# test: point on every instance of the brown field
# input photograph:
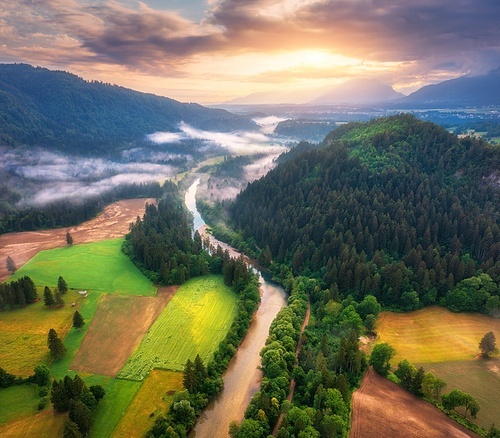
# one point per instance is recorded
(154, 396)
(111, 223)
(117, 327)
(382, 409)
(47, 423)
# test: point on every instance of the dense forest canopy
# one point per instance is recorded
(395, 207)
(58, 109)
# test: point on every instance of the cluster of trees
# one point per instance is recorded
(396, 207)
(278, 361)
(68, 212)
(54, 298)
(73, 396)
(17, 293)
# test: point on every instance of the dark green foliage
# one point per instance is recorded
(71, 429)
(17, 293)
(458, 398)
(7, 379)
(97, 391)
(56, 347)
(493, 432)
(58, 299)
(48, 297)
(62, 286)
(58, 109)
(396, 208)
(380, 358)
(81, 415)
(487, 345)
(78, 321)
(69, 239)
(42, 375)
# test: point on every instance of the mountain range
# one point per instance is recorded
(58, 109)
(464, 91)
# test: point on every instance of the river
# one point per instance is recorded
(242, 378)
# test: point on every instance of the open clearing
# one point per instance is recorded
(195, 321)
(99, 266)
(478, 377)
(434, 334)
(23, 333)
(113, 222)
(382, 409)
(18, 401)
(154, 396)
(116, 329)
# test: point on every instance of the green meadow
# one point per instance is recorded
(100, 266)
(195, 321)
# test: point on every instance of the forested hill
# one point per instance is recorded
(395, 207)
(58, 109)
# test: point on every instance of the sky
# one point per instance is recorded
(211, 51)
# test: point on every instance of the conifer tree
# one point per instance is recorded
(11, 266)
(48, 298)
(78, 321)
(56, 347)
(62, 286)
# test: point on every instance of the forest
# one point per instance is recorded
(396, 207)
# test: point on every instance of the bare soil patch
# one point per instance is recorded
(113, 222)
(382, 409)
(117, 327)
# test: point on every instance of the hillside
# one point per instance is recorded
(464, 91)
(394, 207)
(60, 110)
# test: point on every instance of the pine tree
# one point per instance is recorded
(81, 415)
(11, 266)
(58, 300)
(48, 298)
(71, 429)
(487, 344)
(62, 286)
(56, 347)
(189, 379)
(78, 321)
(69, 239)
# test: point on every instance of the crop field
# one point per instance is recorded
(478, 377)
(196, 319)
(23, 333)
(100, 266)
(154, 397)
(116, 329)
(434, 334)
(44, 424)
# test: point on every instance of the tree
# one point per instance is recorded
(69, 239)
(432, 386)
(48, 298)
(189, 380)
(71, 429)
(58, 299)
(487, 345)
(78, 321)
(11, 266)
(81, 415)
(98, 392)
(62, 286)
(42, 375)
(380, 357)
(56, 347)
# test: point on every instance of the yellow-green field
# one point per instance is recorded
(154, 396)
(446, 344)
(434, 334)
(196, 319)
(23, 333)
(100, 266)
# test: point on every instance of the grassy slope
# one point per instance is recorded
(194, 322)
(99, 266)
(17, 401)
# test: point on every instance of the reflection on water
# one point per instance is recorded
(242, 378)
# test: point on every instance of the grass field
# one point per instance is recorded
(478, 377)
(100, 266)
(23, 333)
(195, 321)
(154, 396)
(119, 394)
(18, 401)
(434, 334)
